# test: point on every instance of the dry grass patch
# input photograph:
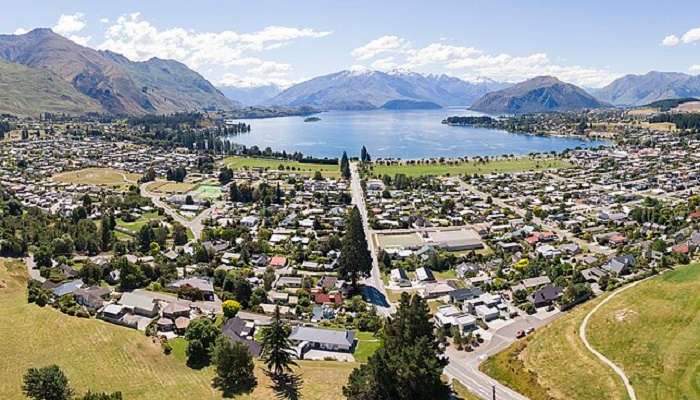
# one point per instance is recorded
(104, 357)
(97, 176)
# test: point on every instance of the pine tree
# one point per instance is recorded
(364, 155)
(276, 347)
(409, 365)
(355, 259)
(234, 367)
(105, 233)
(345, 166)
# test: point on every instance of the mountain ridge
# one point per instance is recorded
(642, 89)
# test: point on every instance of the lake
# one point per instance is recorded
(407, 134)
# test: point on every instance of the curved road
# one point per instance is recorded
(196, 225)
(601, 357)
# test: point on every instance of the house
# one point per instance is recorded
(174, 310)
(434, 290)
(139, 304)
(288, 281)
(278, 262)
(486, 313)
(324, 298)
(305, 338)
(531, 283)
(238, 330)
(204, 285)
(593, 274)
(448, 316)
(620, 265)
(67, 288)
(93, 297)
(424, 274)
(462, 294)
(546, 295)
(113, 313)
(399, 277)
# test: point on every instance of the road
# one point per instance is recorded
(582, 334)
(196, 225)
(32, 269)
(374, 286)
(464, 366)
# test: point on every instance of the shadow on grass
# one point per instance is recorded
(286, 386)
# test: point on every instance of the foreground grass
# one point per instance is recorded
(104, 357)
(470, 167)
(98, 176)
(554, 364)
(238, 162)
(651, 331)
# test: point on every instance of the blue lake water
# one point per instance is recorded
(400, 134)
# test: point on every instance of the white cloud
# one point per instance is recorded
(104, 20)
(670, 41)
(231, 79)
(693, 35)
(219, 55)
(69, 25)
(384, 44)
(472, 63)
(695, 69)
(20, 31)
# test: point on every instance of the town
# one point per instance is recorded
(161, 239)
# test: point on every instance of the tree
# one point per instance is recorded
(201, 335)
(131, 276)
(276, 349)
(345, 166)
(355, 259)
(179, 235)
(234, 367)
(409, 365)
(106, 233)
(47, 383)
(364, 155)
(231, 308)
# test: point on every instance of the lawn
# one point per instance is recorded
(366, 346)
(170, 187)
(136, 225)
(206, 192)
(238, 162)
(656, 327)
(98, 176)
(552, 363)
(470, 167)
(104, 357)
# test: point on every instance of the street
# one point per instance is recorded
(196, 225)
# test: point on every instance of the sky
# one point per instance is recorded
(252, 43)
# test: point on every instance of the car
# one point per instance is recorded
(529, 330)
(520, 334)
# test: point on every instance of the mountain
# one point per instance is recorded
(119, 85)
(367, 89)
(540, 94)
(27, 92)
(637, 90)
(250, 95)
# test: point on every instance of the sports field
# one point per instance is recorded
(103, 357)
(470, 167)
(206, 192)
(170, 187)
(238, 162)
(98, 176)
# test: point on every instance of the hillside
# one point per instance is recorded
(637, 90)
(366, 89)
(28, 92)
(119, 85)
(540, 94)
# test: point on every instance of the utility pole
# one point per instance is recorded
(493, 392)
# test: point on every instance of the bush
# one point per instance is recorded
(167, 348)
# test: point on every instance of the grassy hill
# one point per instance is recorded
(28, 92)
(103, 357)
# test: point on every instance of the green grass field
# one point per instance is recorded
(366, 346)
(103, 357)
(651, 331)
(136, 225)
(237, 162)
(553, 363)
(206, 192)
(98, 176)
(469, 168)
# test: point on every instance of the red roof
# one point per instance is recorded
(694, 215)
(278, 261)
(324, 298)
(618, 238)
(532, 239)
(681, 248)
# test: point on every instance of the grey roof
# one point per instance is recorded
(327, 336)
(202, 284)
(134, 300)
(67, 287)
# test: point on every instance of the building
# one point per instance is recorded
(306, 338)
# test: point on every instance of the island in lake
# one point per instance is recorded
(312, 119)
(405, 104)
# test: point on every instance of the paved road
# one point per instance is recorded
(374, 286)
(601, 357)
(196, 225)
(464, 366)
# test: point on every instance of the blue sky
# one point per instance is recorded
(256, 42)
